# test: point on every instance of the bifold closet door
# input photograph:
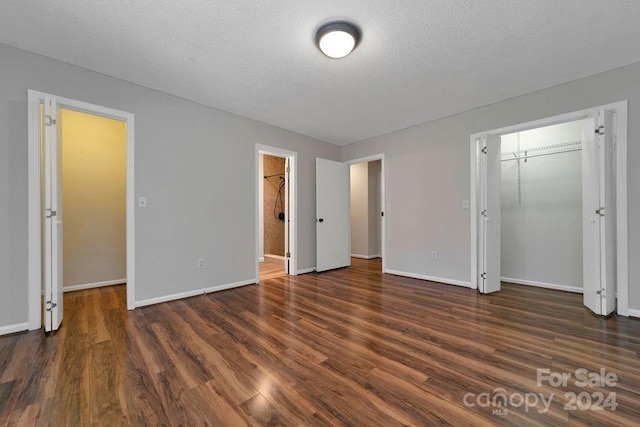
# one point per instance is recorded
(489, 224)
(53, 274)
(598, 214)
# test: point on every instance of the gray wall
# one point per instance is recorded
(427, 173)
(192, 163)
(541, 236)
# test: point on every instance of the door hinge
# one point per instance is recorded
(288, 169)
(602, 293)
(483, 212)
(600, 211)
(600, 130)
(49, 213)
(288, 255)
(50, 305)
(484, 150)
(484, 276)
(48, 120)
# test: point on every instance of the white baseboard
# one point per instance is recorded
(306, 270)
(366, 256)
(634, 313)
(261, 259)
(194, 293)
(430, 278)
(93, 285)
(565, 288)
(274, 256)
(230, 286)
(17, 327)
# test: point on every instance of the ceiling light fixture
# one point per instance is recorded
(337, 39)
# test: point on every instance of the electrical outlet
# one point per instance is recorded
(142, 202)
(201, 263)
(434, 255)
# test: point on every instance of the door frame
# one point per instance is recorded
(292, 201)
(35, 98)
(383, 203)
(620, 108)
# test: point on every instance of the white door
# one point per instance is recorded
(598, 214)
(333, 242)
(287, 213)
(489, 226)
(608, 270)
(53, 288)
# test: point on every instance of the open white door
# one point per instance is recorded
(53, 288)
(489, 226)
(598, 214)
(287, 213)
(333, 241)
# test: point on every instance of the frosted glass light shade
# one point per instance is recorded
(337, 39)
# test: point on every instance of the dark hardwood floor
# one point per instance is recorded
(271, 268)
(347, 347)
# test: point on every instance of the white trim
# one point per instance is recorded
(366, 256)
(633, 313)
(306, 270)
(34, 209)
(188, 294)
(279, 257)
(622, 247)
(167, 298)
(73, 288)
(293, 202)
(34, 255)
(574, 289)
(230, 286)
(430, 278)
(622, 236)
(16, 327)
(261, 259)
(383, 200)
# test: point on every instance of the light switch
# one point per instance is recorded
(142, 202)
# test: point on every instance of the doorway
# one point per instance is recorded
(275, 212)
(274, 192)
(94, 200)
(368, 205)
(366, 209)
(46, 197)
(603, 209)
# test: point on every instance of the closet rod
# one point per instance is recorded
(538, 155)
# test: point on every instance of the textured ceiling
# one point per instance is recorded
(417, 61)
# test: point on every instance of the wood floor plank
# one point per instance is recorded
(345, 347)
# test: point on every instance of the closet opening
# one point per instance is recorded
(81, 210)
(548, 206)
(541, 207)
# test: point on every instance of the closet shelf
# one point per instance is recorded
(541, 151)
